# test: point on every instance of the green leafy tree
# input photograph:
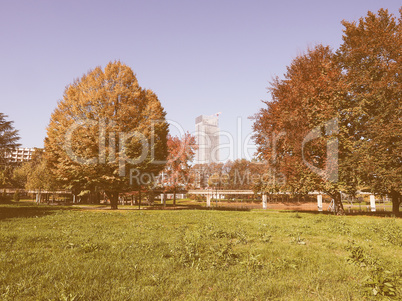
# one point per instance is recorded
(35, 174)
(8, 138)
(104, 130)
(8, 142)
(371, 60)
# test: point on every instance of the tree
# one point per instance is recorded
(203, 172)
(8, 142)
(295, 132)
(107, 132)
(240, 174)
(181, 153)
(348, 102)
(34, 174)
(8, 138)
(371, 60)
(244, 174)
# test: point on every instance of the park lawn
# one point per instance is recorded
(59, 253)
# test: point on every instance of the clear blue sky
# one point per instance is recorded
(199, 57)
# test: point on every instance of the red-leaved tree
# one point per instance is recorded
(181, 152)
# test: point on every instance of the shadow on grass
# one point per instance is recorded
(196, 207)
(18, 210)
(357, 213)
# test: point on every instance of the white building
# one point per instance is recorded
(207, 138)
(20, 154)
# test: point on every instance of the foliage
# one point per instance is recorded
(8, 138)
(334, 122)
(240, 174)
(105, 127)
(203, 172)
(35, 174)
(177, 170)
(370, 58)
(382, 283)
(390, 232)
(8, 142)
(379, 281)
(304, 103)
(6, 175)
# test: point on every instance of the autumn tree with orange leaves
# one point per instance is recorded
(181, 152)
(105, 127)
(305, 102)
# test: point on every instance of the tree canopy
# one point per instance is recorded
(181, 152)
(8, 142)
(371, 60)
(8, 138)
(105, 127)
(334, 122)
(34, 174)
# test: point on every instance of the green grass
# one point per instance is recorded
(59, 253)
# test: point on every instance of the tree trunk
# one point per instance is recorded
(139, 198)
(97, 198)
(174, 196)
(114, 198)
(396, 201)
(338, 204)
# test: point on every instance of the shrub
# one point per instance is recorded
(383, 283)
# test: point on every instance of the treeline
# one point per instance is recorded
(240, 174)
(334, 125)
(335, 120)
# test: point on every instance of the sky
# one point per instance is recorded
(199, 57)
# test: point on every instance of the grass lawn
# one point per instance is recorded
(64, 253)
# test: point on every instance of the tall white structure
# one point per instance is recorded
(207, 138)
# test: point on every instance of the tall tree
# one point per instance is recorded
(356, 95)
(8, 142)
(181, 154)
(296, 130)
(8, 138)
(107, 132)
(371, 59)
